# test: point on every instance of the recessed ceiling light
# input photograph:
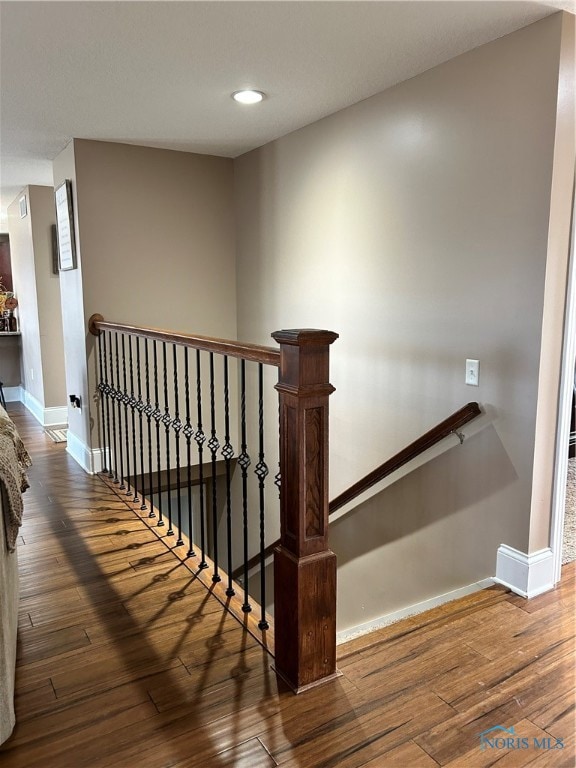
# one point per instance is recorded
(248, 96)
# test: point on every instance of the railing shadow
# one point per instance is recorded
(442, 487)
(88, 570)
(432, 531)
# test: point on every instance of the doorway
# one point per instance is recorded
(565, 411)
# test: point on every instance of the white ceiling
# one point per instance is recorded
(161, 73)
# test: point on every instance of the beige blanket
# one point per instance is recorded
(14, 460)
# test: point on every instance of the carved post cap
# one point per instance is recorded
(301, 336)
(95, 318)
(304, 360)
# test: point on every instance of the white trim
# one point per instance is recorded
(390, 618)
(564, 412)
(12, 394)
(56, 416)
(47, 417)
(89, 459)
(526, 575)
(34, 406)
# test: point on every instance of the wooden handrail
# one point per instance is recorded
(433, 436)
(254, 352)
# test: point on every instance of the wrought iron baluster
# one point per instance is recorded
(177, 427)
(149, 410)
(157, 415)
(102, 390)
(108, 391)
(278, 475)
(213, 445)
(140, 409)
(166, 420)
(132, 403)
(118, 405)
(200, 439)
(126, 400)
(261, 472)
(228, 453)
(188, 433)
(244, 461)
(113, 409)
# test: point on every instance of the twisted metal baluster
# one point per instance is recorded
(261, 471)
(228, 453)
(100, 388)
(118, 401)
(188, 433)
(108, 395)
(278, 475)
(213, 445)
(140, 409)
(244, 461)
(166, 420)
(149, 410)
(177, 427)
(126, 400)
(157, 414)
(132, 403)
(200, 439)
(113, 409)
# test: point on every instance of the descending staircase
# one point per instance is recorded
(178, 412)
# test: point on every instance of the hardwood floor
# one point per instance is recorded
(125, 660)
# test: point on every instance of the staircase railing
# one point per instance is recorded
(163, 428)
(449, 426)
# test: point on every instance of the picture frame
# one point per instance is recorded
(65, 226)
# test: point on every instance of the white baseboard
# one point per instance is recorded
(526, 575)
(34, 406)
(56, 416)
(13, 394)
(390, 618)
(89, 459)
(47, 417)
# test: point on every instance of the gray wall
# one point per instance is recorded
(38, 292)
(155, 231)
(415, 225)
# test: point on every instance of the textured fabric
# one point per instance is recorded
(14, 460)
(9, 598)
(569, 539)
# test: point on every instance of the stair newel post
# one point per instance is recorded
(304, 566)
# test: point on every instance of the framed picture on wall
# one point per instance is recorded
(65, 225)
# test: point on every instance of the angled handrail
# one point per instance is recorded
(435, 435)
(430, 438)
(254, 352)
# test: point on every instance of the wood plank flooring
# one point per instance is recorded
(126, 661)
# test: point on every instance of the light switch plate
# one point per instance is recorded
(473, 372)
